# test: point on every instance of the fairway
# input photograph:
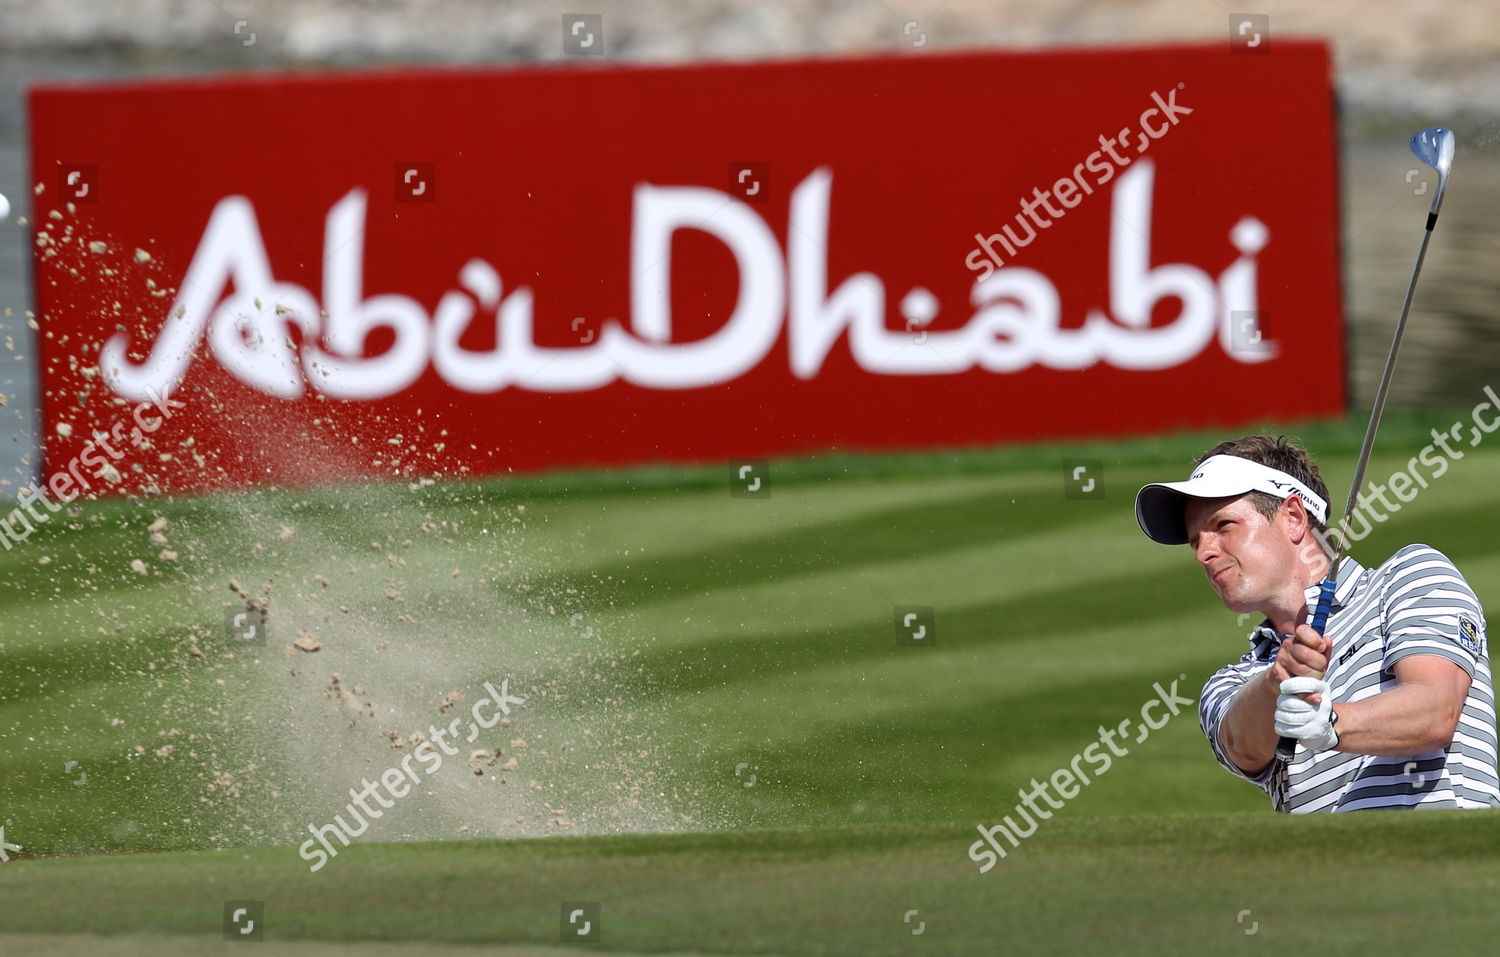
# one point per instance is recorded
(722, 737)
(1177, 884)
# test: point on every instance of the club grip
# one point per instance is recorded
(1286, 747)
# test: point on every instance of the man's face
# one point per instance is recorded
(1247, 558)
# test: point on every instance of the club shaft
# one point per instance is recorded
(1287, 747)
(1380, 396)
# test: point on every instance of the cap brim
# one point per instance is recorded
(1161, 507)
(1160, 511)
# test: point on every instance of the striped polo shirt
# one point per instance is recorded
(1417, 603)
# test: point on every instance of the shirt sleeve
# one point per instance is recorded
(1213, 704)
(1429, 609)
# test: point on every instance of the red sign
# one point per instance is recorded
(474, 272)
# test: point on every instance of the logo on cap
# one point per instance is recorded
(1295, 491)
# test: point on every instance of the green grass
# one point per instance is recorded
(1167, 883)
(671, 641)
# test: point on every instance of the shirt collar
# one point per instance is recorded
(1351, 577)
(1350, 573)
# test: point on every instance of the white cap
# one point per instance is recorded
(1159, 507)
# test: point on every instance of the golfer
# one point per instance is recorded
(1392, 707)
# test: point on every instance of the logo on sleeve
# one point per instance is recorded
(1468, 636)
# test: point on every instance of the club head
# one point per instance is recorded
(1434, 146)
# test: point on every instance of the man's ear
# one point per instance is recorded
(1297, 521)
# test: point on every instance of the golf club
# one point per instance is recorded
(1433, 146)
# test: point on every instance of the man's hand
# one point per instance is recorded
(1248, 738)
(1305, 654)
(1297, 717)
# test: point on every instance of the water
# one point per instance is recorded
(1453, 337)
(1452, 341)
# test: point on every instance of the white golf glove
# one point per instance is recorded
(1295, 718)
